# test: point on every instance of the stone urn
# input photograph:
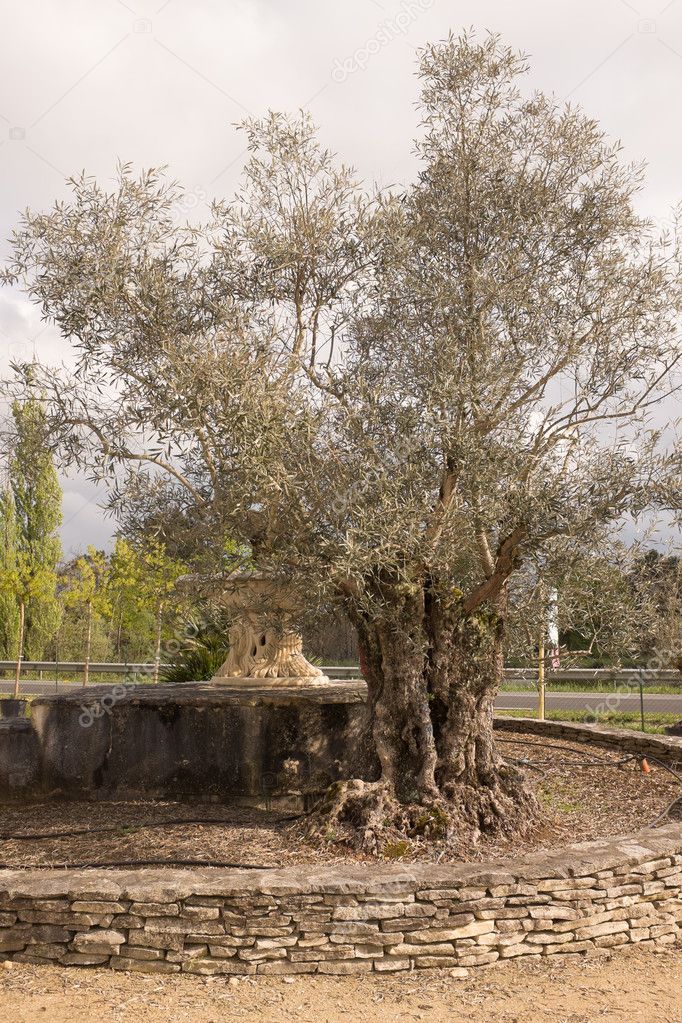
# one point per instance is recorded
(264, 650)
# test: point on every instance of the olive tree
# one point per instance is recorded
(399, 402)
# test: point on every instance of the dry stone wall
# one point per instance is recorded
(666, 748)
(349, 920)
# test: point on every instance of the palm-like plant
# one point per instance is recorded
(202, 653)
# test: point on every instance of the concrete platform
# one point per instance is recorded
(192, 741)
(333, 691)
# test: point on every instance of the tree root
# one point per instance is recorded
(367, 816)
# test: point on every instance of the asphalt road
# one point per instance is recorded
(666, 703)
(653, 702)
(32, 687)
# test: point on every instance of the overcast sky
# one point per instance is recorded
(88, 82)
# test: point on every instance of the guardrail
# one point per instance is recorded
(632, 696)
(632, 676)
(78, 667)
(118, 668)
(617, 676)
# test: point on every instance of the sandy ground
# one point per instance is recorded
(630, 986)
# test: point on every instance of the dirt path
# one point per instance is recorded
(630, 986)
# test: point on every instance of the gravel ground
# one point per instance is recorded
(631, 986)
(583, 795)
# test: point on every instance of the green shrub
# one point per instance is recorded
(201, 657)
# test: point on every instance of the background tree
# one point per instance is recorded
(657, 578)
(9, 611)
(31, 511)
(25, 585)
(87, 591)
(37, 504)
(604, 607)
(132, 620)
(158, 575)
(143, 594)
(398, 403)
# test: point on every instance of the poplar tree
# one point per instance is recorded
(9, 610)
(37, 498)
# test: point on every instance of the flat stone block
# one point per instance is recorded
(345, 968)
(143, 965)
(391, 965)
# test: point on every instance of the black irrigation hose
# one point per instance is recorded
(587, 763)
(526, 763)
(678, 777)
(600, 762)
(530, 742)
(666, 812)
(138, 863)
(666, 767)
(614, 763)
(544, 745)
(539, 765)
(593, 763)
(173, 822)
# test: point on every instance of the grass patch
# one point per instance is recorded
(654, 722)
(558, 798)
(601, 686)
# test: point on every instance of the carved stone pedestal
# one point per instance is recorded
(262, 656)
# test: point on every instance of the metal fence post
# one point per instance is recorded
(541, 680)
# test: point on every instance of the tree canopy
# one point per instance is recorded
(400, 401)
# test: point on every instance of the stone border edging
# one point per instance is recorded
(667, 748)
(348, 920)
(360, 919)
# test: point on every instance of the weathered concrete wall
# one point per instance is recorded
(347, 920)
(201, 743)
(187, 742)
(19, 758)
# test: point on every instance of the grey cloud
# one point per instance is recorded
(85, 522)
(159, 82)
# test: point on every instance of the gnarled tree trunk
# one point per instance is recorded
(433, 670)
